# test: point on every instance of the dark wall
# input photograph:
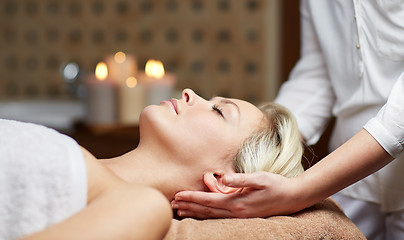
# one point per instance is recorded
(290, 36)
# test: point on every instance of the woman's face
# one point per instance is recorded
(206, 134)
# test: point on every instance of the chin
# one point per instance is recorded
(154, 124)
(150, 118)
(144, 114)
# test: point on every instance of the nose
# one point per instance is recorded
(189, 96)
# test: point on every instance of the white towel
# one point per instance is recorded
(42, 178)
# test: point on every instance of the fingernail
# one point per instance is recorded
(174, 205)
(181, 213)
(178, 198)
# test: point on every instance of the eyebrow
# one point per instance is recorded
(227, 101)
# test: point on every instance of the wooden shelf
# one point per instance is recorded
(106, 141)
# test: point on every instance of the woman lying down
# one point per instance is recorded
(50, 188)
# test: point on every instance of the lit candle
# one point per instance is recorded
(159, 84)
(132, 100)
(101, 97)
(121, 66)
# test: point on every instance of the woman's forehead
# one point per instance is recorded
(246, 106)
(250, 114)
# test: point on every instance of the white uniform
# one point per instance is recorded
(352, 55)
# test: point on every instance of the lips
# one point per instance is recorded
(175, 105)
(172, 104)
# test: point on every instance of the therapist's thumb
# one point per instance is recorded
(252, 180)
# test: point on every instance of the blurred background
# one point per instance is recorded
(234, 48)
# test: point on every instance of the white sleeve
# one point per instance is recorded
(308, 93)
(388, 125)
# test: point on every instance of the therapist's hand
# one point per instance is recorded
(264, 194)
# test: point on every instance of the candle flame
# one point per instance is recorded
(131, 82)
(120, 57)
(154, 68)
(101, 71)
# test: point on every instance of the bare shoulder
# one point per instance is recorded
(132, 211)
(139, 211)
(115, 210)
(124, 211)
(143, 212)
(99, 179)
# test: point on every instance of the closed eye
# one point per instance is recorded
(218, 110)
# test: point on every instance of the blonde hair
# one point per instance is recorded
(276, 148)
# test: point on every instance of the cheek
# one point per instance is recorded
(206, 128)
(194, 137)
(208, 136)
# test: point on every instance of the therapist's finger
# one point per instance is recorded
(194, 210)
(208, 199)
(257, 180)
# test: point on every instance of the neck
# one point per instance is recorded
(153, 168)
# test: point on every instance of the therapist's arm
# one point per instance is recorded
(359, 157)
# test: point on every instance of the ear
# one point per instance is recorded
(215, 184)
